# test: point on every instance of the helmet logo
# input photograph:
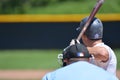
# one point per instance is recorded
(96, 36)
(80, 54)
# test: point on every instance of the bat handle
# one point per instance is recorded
(83, 30)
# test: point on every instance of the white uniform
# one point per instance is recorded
(109, 65)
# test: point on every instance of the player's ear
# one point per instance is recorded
(65, 62)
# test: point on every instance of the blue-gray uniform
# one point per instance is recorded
(80, 70)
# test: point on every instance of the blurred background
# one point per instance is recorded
(34, 32)
(55, 6)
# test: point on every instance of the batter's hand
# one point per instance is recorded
(74, 41)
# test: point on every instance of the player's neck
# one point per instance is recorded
(94, 42)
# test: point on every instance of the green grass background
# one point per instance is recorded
(28, 59)
(34, 59)
(76, 7)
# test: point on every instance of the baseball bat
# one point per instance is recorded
(92, 14)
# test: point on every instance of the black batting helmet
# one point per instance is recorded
(75, 51)
(94, 30)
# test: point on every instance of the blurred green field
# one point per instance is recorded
(34, 59)
(56, 6)
(76, 7)
(28, 59)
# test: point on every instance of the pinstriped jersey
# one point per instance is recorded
(109, 65)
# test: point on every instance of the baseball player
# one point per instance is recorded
(77, 67)
(103, 55)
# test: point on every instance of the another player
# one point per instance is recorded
(77, 67)
(103, 55)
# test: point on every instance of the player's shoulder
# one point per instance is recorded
(46, 76)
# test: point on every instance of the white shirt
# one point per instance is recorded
(109, 65)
